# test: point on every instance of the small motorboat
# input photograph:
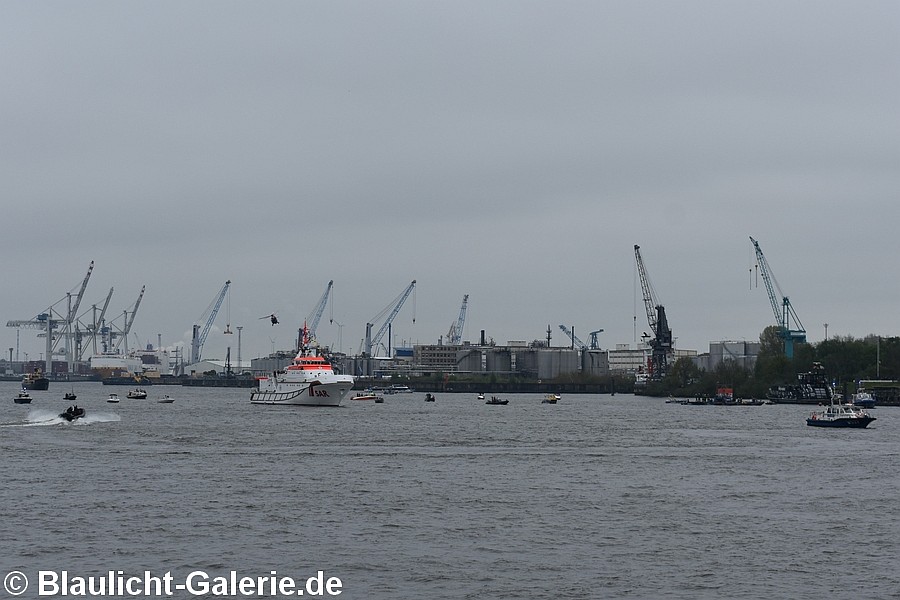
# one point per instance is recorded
(367, 396)
(72, 413)
(379, 400)
(23, 398)
(840, 415)
(167, 399)
(496, 400)
(551, 399)
(481, 396)
(137, 394)
(69, 396)
(863, 400)
(429, 397)
(113, 398)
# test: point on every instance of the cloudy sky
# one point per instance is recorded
(514, 151)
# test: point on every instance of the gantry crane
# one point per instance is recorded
(199, 337)
(312, 320)
(373, 341)
(661, 345)
(96, 326)
(595, 345)
(52, 319)
(454, 336)
(784, 312)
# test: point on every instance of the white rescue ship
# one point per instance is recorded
(309, 380)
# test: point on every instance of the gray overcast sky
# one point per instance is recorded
(513, 151)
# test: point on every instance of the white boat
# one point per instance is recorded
(863, 399)
(398, 389)
(167, 399)
(113, 398)
(308, 381)
(137, 394)
(840, 415)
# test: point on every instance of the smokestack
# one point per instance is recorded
(482, 337)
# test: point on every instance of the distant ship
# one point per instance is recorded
(309, 380)
(35, 381)
(811, 388)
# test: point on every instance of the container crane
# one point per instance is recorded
(783, 310)
(454, 336)
(94, 328)
(52, 319)
(199, 337)
(661, 346)
(575, 341)
(312, 321)
(373, 341)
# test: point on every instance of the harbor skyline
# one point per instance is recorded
(514, 153)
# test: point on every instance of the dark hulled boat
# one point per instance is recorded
(811, 388)
(35, 381)
(840, 415)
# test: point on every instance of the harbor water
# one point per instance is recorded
(594, 497)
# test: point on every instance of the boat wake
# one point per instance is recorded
(40, 417)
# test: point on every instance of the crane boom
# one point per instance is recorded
(661, 345)
(454, 337)
(122, 335)
(783, 310)
(578, 343)
(74, 310)
(130, 322)
(649, 295)
(372, 341)
(316, 315)
(199, 337)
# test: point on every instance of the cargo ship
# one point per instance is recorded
(35, 381)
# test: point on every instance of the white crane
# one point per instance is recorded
(373, 341)
(454, 336)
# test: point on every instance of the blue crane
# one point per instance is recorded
(373, 341)
(454, 337)
(312, 321)
(784, 312)
(199, 337)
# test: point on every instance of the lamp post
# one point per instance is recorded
(240, 364)
(826, 332)
(340, 336)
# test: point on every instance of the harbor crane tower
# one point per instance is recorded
(454, 336)
(198, 337)
(373, 341)
(784, 311)
(312, 321)
(662, 347)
